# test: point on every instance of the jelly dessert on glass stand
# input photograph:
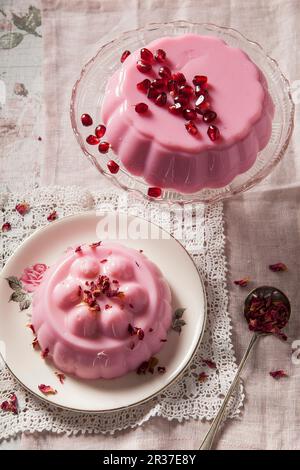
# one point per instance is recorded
(182, 112)
(187, 113)
(101, 310)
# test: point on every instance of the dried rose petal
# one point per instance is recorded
(163, 340)
(242, 282)
(103, 261)
(47, 389)
(161, 369)
(11, 404)
(61, 377)
(6, 227)
(142, 369)
(22, 208)
(267, 314)
(45, 353)
(95, 245)
(35, 343)
(78, 249)
(278, 374)
(202, 377)
(209, 363)
(52, 216)
(140, 333)
(153, 361)
(30, 325)
(278, 267)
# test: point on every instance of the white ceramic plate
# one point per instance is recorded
(45, 246)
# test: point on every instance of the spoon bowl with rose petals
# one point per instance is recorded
(267, 311)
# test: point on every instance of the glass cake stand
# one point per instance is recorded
(88, 91)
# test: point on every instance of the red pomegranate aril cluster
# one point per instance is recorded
(141, 108)
(144, 85)
(113, 167)
(146, 55)
(181, 92)
(160, 55)
(191, 128)
(143, 66)
(86, 120)
(124, 56)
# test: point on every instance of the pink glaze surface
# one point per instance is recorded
(93, 344)
(156, 145)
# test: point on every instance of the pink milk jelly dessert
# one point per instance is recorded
(101, 310)
(186, 150)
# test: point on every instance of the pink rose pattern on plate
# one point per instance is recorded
(32, 276)
(26, 284)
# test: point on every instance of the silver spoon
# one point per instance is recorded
(263, 291)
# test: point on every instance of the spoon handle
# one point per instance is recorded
(208, 440)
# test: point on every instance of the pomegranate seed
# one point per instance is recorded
(146, 55)
(152, 93)
(209, 116)
(172, 87)
(191, 128)
(22, 208)
(124, 56)
(176, 108)
(92, 140)
(141, 108)
(186, 90)
(6, 227)
(179, 78)
(86, 120)
(144, 85)
(189, 114)
(202, 107)
(182, 99)
(160, 55)
(161, 99)
(154, 192)
(200, 100)
(113, 167)
(199, 80)
(158, 83)
(103, 147)
(213, 132)
(164, 72)
(143, 67)
(100, 131)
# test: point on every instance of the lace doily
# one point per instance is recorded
(188, 398)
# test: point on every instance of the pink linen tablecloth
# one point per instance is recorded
(262, 226)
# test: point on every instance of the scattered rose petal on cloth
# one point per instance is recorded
(278, 374)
